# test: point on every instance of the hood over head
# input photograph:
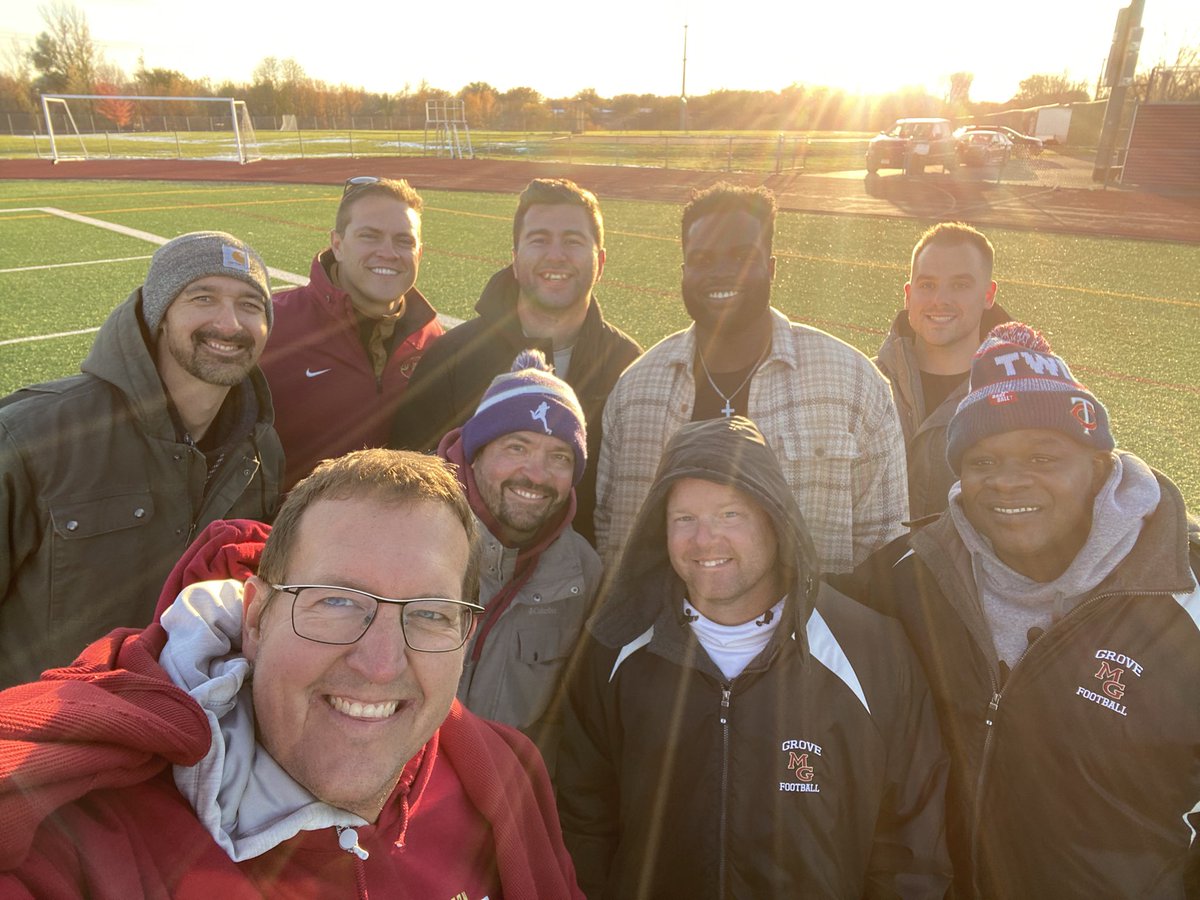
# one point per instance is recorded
(724, 451)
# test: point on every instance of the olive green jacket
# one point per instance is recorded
(99, 496)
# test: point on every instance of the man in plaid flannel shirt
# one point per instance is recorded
(826, 411)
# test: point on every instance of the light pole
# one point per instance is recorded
(1118, 74)
(683, 123)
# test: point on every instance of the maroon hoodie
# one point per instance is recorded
(327, 399)
(88, 806)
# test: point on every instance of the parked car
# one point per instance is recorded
(1024, 145)
(984, 148)
(911, 145)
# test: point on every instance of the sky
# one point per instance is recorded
(626, 46)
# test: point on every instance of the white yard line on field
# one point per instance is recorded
(46, 337)
(87, 262)
(279, 274)
(290, 278)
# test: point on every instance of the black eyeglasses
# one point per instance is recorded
(359, 181)
(328, 614)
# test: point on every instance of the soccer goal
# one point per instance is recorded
(85, 126)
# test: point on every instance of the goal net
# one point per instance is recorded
(126, 126)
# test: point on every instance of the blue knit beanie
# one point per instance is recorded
(1017, 382)
(529, 398)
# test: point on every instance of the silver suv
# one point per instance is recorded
(913, 144)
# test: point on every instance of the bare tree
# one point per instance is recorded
(64, 54)
(958, 94)
(16, 78)
(1172, 81)
(267, 71)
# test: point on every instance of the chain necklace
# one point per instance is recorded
(727, 409)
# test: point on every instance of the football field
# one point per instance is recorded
(1124, 313)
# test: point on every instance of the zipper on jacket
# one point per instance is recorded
(722, 825)
(993, 710)
(251, 462)
(348, 841)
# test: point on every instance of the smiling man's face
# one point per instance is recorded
(213, 332)
(723, 547)
(727, 271)
(1030, 492)
(524, 479)
(557, 261)
(379, 254)
(343, 720)
(950, 290)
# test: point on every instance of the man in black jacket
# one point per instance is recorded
(1055, 609)
(736, 728)
(543, 301)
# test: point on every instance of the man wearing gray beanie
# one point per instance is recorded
(106, 476)
(1056, 611)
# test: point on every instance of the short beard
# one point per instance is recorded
(194, 360)
(529, 526)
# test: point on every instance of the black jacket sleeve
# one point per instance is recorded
(588, 774)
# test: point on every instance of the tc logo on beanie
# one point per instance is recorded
(1017, 382)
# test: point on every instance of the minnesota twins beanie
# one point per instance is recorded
(529, 398)
(179, 262)
(1017, 382)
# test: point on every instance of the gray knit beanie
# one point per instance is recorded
(179, 262)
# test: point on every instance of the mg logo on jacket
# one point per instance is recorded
(1110, 677)
(1114, 666)
(799, 765)
(801, 771)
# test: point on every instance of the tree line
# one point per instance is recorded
(65, 59)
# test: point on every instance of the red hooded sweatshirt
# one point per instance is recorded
(88, 805)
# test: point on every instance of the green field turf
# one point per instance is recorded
(1123, 313)
(742, 151)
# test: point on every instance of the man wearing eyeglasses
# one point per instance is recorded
(344, 766)
(345, 344)
(518, 459)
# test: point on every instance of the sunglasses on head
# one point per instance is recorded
(359, 181)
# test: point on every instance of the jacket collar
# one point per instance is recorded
(1157, 564)
(682, 353)
(123, 356)
(498, 306)
(418, 312)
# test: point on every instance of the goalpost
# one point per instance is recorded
(227, 134)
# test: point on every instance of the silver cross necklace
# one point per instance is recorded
(727, 409)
